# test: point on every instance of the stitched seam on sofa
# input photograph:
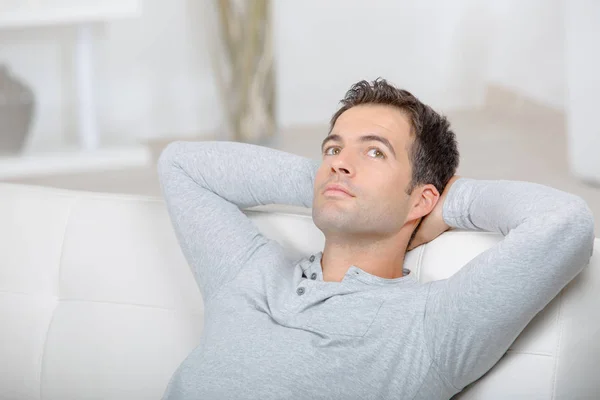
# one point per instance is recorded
(134, 305)
(60, 262)
(420, 262)
(85, 194)
(96, 301)
(124, 197)
(62, 247)
(530, 353)
(557, 350)
(43, 355)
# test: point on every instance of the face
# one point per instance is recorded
(375, 172)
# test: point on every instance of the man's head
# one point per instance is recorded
(393, 153)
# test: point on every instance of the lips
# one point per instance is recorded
(336, 188)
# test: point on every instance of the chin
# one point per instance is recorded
(331, 221)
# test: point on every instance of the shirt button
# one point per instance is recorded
(312, 258)
(313, 276)
(300, 291)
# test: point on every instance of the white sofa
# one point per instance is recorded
(97, 301)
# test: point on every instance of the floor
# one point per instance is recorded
(510, 139)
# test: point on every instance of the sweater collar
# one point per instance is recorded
(312, 265)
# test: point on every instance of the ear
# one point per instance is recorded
(424, 200)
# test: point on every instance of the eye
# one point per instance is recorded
(329, 148)
(377, 151)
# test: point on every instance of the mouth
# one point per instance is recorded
(337, 190)
(336, 193)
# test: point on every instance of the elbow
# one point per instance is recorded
(578, 228)
(583, 218)
(169, 153)
(168, 159)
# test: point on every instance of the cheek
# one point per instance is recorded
(387, 194)
(319, 179)
(384, 185)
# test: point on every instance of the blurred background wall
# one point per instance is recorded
(154, 77)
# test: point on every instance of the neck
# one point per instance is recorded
(383, 257)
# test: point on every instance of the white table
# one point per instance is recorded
(89, 154)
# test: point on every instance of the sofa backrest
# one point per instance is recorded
(97, 301)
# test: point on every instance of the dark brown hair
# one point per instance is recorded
(434, 153)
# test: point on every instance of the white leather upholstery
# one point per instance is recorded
(97, 301)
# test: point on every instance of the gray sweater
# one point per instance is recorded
(274, 329)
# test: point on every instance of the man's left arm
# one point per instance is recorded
(473, 317)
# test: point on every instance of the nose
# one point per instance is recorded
(342, 165)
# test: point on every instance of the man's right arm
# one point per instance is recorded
(473, 317)
(207, 184)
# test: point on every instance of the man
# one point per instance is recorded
(352, 321)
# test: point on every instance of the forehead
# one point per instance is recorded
(387, 121)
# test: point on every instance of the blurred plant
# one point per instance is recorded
(244, 68)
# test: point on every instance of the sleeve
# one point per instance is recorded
(205, 186)
(472, 318)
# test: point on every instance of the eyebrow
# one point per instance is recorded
(365, 138)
